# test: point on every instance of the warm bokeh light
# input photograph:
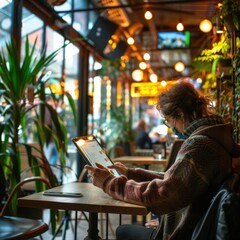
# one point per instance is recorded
(199, 80)
(146, 56)
(153, 78)
(137, 75)
(179, 66)
(163, 83)
(205, 26)
(142, 65)
(130, 41)
(180, 26)
(148, 15)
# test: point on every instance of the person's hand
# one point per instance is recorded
(121, 168)
(98, 174)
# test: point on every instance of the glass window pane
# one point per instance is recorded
(71, 84)
(31, 24)
(67, 6)
(5, 21)
(53, 42)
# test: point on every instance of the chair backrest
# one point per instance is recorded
(173, 153)
(222, 218)
(83, 175)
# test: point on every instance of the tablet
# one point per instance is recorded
(92, 152)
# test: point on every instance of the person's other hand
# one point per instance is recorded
(98, 174)
(121, 168)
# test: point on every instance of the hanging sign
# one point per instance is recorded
(148, 89)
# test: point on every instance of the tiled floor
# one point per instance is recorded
(82, 226)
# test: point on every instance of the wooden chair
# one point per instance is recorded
(19, 228)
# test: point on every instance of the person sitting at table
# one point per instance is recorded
(182, 194)
(142, 138)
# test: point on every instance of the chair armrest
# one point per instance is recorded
(18, 186)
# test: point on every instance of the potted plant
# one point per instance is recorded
(118, 131)
(23, 101)
(115, 124)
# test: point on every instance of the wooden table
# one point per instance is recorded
(141, 160)
(94, 201)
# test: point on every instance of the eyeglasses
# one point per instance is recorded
(166, 123)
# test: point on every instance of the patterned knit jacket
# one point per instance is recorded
(183, 193)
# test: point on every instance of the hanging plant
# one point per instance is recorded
(229, 11)
(220, 50)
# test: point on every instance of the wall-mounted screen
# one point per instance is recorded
(173, 39)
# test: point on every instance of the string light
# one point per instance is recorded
(153, 77)
(137, 75)
(130, 41)
(142, 65)
(180, 26)
(146, 56)
(148, 15)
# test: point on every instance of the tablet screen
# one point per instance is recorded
(93, 152)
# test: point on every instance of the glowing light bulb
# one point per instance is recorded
(130, 41)
(180, 26)
(179, 66)
(153, 78)
(205, 26)
(137, 75)
(146, 56)
(142, 65)
(148, 15)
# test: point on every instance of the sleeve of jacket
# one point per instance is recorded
(187, 179)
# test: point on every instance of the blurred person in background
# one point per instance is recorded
(142, 138)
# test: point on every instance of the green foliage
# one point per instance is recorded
(236, 113)
(24, 103)
(118, 129)
(219, 50)
(231, 8)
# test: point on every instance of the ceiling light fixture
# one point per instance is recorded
(180, 26)
(205, 26)
(148, 15)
